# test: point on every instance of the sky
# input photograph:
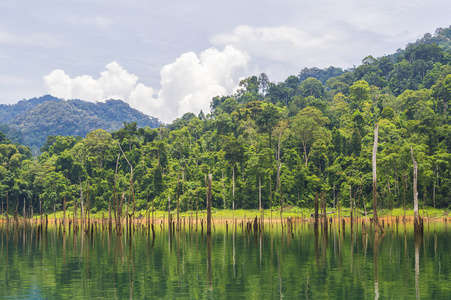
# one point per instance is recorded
(166, 58)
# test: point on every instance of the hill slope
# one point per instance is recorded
(38, 118)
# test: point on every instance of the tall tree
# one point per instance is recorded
(359, 94)
(263, 82)
(268, 119)
(375, 218)
(415, 190)
(97, 142)
(308, 126)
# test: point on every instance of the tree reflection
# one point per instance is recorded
(417, 265)
(377, 240)
(209, 267)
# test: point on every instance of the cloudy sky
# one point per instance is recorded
(166, 58)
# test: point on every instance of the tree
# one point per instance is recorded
(268, 119)
(359, 93)
(250, 84)
(229, 105)
(55, 186)
(441, 91)
(357, 132)
(97, 143)
(263, 81)
(375, 218)
(265, 168)
(49, 142)
(385, 65)
(2, 137)
(415, 191)
(308, 126)
(312, 87)
(387, 113)
(234, 154)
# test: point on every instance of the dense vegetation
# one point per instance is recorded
(29, 122)
(285, 141)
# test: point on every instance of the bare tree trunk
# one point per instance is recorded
(389, 192)
(119, 213)
(178, 202)
(333, 191)
(197, 206)
(316, 210)
(169, 215)
(88, 205)
(259, 193)
(415, 191)
(75, 216)
(233, 187)
(131, 191)
(7, 208)
(435, 184)
(223, 191)
(375, 218)
(278, 185)
(278, 176)
(270, 195)
(209, 204)
(433, 195)
(404, 177)
(152, 213)
(64, 214)
(339, 209)
(350, 200)
(323, 201)
(115, 198)
(40, 207)
(81, 203)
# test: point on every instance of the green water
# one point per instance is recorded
(229, 264)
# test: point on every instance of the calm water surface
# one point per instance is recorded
(232, 263)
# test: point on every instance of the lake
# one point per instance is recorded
(232, 262)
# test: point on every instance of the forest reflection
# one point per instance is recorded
(240, 258)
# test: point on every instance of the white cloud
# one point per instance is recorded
(114, 82)
(187, 85)
(290, 48)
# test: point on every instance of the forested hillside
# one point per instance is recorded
(31, 121)
(284, 141)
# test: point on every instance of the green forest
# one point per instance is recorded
(29, 122)
(268, 144)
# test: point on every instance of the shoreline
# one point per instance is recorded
(226, 219)
(293, 212)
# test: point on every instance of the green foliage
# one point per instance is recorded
(31, 121)
(289, 140)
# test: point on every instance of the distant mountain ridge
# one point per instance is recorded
(38, 118)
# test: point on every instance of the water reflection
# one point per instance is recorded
(267, 261)
(417, 265)
(377, 240)
(209, 266)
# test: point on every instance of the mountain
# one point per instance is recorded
(416, 66)
(38, 118)
(441, 37)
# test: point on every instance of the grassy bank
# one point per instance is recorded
(294, 212)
